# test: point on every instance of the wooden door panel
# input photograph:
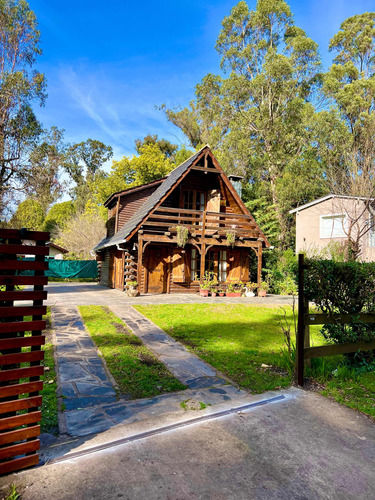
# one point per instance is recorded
(157, 269)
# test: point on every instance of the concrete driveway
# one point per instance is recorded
(302, 447)
(94, 294)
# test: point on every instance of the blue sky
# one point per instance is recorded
(109, 64)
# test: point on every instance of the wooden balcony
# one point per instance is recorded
(201, 225)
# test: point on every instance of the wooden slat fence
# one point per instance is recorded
(305, 319)
(20, 352)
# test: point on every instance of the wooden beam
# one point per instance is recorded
(206, 170)
(331, 350)
(341, 319)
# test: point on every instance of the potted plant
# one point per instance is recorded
(213, 288)
(263, 289)
(234, 289)
(221, 291)
(132, 289)
(250, 288)
(205, 285)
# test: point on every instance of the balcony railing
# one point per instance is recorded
(166, 219)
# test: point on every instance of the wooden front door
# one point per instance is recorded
(116, 269)
(157, 269)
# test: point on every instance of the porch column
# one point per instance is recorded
(259, 277)
(203, 258)
(203, 245)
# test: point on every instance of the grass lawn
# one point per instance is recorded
(138, 373)
(49, 422)
(234, 338)
(237, 339)
(49, 403)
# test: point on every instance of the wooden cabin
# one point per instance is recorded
(141, 242)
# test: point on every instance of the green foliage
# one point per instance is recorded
(280, 271)
(231, 238)
(166, 147)
(182, 236)
(258, 118)
(182, 155)
(42, 177)
(29, 214)
(84, 163)
(264, 213)
(58, 216)
(344, 287)
(20, 85)
(150, 165)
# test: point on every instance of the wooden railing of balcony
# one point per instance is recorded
(198, 222)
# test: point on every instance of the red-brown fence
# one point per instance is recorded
(20, 353)
(305, 318)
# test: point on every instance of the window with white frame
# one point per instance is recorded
(332, 226)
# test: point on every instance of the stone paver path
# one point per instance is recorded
(185, 366)
(83, 379)
(89, 397)
(101, 418)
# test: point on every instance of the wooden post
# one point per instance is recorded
(259, 277)
(203, 246)
(301, 323)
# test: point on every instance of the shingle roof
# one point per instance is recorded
(148, 205)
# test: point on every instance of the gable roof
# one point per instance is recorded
(125, 192)
(327, 197)
(128, 229)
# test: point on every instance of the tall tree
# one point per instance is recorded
(83, 163)
(166, 147)
(257, 116)
(42, 178)
(151, 164)
(29, 214)
(348, 146)
(19, 88)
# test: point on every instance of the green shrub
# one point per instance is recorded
(280, 271)
(346, 288)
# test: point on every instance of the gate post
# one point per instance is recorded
(301, 322)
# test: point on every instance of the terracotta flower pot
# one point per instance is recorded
(233, 294)
(203, 293)
(221, 294)
(262, 293)
(213, 294)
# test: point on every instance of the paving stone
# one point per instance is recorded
(86, 343)
(205, 382)
(86, 401)
(71, 372)
(85, 389)
(68, 390)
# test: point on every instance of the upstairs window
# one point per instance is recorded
(332, 226)
(194, 200)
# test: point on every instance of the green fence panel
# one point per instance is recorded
(72, 268)
(68, 269)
